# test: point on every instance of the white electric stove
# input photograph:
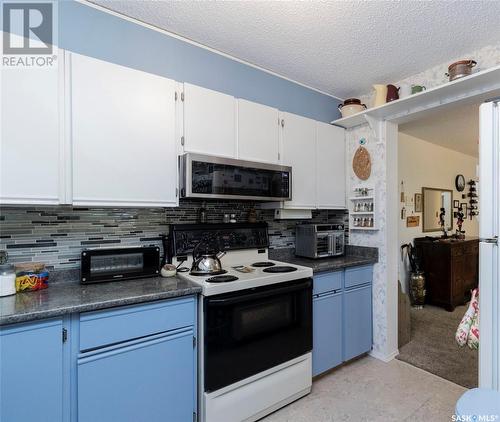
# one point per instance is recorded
(247, 271)
(255, 322)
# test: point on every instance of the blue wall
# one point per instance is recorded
(91, 32)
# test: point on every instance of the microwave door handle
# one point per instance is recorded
(331, 244)
(341, 242)
(251, 296)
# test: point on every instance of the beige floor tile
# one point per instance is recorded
(371, 390)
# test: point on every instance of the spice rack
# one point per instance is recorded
(362, 212)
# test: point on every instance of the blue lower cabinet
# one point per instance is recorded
(151, 379)
(327, 332)
(31, 372)
(357, 322)
(342, 316)
(48, 373)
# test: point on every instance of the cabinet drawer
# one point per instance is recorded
(327, 282)
(457, 250)
(357, 276)
(471, 248)
(100, 328)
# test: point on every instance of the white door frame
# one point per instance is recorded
(489, 224)
(387, 132)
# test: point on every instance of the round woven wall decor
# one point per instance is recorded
(361, 163)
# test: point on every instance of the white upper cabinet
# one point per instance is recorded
(123, 135)
(30, 143)
(299, 151)
(330, 166)
(258, 132)
(209, 122)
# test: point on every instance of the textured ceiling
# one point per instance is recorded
(339, 47)
(455, 128)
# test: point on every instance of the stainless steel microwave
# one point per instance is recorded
(206, 176)
(319, 240)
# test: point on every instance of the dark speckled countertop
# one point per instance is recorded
(67, 297)
(354, 256)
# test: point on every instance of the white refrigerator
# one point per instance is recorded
(489, 250)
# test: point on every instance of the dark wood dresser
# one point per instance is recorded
(451, 269)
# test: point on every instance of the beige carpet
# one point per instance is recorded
(433, 347)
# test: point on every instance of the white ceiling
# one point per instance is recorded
(455, 128)
(339, 47)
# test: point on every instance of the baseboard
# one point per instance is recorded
(382, 357)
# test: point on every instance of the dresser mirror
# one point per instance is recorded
(433, 200)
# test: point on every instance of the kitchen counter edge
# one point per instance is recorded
(355, 256)
(333, 264)
(65, 298)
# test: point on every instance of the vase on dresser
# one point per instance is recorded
(417, 289)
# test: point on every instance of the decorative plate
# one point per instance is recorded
(361, 163)
(460, 182)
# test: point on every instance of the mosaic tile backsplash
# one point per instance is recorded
(57, 235)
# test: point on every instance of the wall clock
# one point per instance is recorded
(460, 182)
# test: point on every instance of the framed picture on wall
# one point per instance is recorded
(464, 205)
(418, 202)
(456, 203)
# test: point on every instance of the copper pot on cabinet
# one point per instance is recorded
(351, 106)
(460, 69)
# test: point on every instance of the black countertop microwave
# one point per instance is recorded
(112, 264)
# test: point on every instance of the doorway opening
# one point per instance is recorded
(438, 175)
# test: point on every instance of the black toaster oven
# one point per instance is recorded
(111, 264)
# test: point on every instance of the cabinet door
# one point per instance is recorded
(357, 322)
(31, 368)
(144, 380)
(30, 141)
(258, 132)
(123, 135)
(327, 332)
(330, 166)
(299, 151)
(209, 122)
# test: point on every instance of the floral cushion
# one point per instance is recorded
(468, 329)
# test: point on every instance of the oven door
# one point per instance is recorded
(249, 331)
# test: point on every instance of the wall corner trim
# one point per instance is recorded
(384, 357)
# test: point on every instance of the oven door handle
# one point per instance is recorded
(250, 296)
